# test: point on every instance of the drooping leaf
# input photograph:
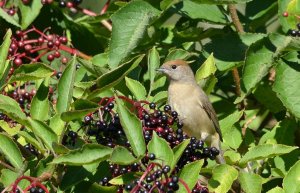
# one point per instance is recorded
(96, 188)
(136, 88)
(189, 174)
(76, 114)
(164, 154)
(27, 72)
(32, 140)
(219, 2)
(89, 153)
(265, 151)
(222, 179)
(178, 54)
(250, 183)
(122, 156)
(9, 19)
(65, 87)
(123, 179)
(114, 76)
(276, 190)
(153, 64)
(11, 151)
(39, 108)
(4, 48)
(133, 129)
(207, 68)
(292, 178)
(129, 25)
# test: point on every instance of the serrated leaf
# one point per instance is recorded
(292, 178)
(29, 12)
(178, 54)
(161, 96)
(44, 132)
(132, 127)
(286, 85)
(129, 25)
(265, 151)
(39, 108)
(27, 72)
(164, 154)
(250, 183)
(219, 2)
(207, 12)
(114, 76)
(227, 123)
(136, 88)
(222, 179)
(122, 156)
(65, 87)
(276, 190)
(11, 151)
(89, 153)
(189, 174)
(206, 69)
(258, 61)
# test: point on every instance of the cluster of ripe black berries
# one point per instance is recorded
(295, 32)
(23, 97)
(36, 190)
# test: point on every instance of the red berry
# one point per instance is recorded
(11, 12)
(26, 2)
(28, 47)
(64, 60)
(69, 4)
(20, 44)
(57, 54)
(18, 61)
(41, 40)
(14, 46)
(57, 43)
(50, 37)
(63, 40)
(19, 33)
(50, 57)
(285, 14)
(50, 44)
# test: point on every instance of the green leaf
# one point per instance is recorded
(29, 12)
(100, 60)
(89, 153)
(40, 104)
(153, 64)
(4, 51)
(276, 190)
(65, 87)
(206, 69)
(178, 54)
(205, 12)
(30, 139)
(129, 25)
(189, 174)
(9, 129)
(122, 156)
(133, 129)
(73, 176)
(12, 109)
(164, 154)
(286, 85)
(231, 157)
(8, 18)
(177, 152)
(123, 179)
(114, 76)
(11, 151)
(250, 183)
(96, 188)
(257, 64)
(28, 72)
(161, 96)
(265, 151)
(227, 123)
(44, 132)
(222, 179)
(56, 124)
(219, 2)
(76, 114)
(136, 88)
(292, 178)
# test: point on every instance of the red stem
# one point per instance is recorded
(185, 185)
(105, 7)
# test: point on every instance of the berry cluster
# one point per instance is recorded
(36, 190)
(30, 45)
(64, 3)
(295, 32)
(103, 126)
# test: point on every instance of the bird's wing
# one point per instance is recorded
(208, 108)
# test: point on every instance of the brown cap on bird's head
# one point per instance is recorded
(177, 70)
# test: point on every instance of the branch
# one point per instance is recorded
(239, 28)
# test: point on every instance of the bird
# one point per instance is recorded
(192, 104)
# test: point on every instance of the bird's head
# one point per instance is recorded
(177, 70)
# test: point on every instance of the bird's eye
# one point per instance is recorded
(174, 67)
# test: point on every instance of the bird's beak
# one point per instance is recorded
(161, 69)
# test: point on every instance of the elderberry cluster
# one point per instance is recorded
(26, 46)
(295, 32)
